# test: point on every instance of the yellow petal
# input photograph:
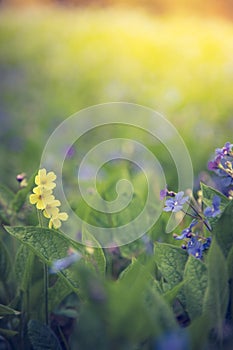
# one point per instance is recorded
(63, 216)
(33, 198)
(51, 176)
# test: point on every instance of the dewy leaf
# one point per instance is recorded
(42, 337)
(208, 194)
(195, 275)
(171, 261)
(6, 310)
(217, 293)
(48, 245)
(223, 229)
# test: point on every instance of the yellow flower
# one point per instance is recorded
(56, 219)
(41, 197)
(51, 208)
(45, 180)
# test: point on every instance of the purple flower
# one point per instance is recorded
(213, 164)
(224, 151)
(214, 210)
(176, 203)
(163, 193)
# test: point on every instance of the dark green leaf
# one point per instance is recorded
(5, 262)
(6, 310)
(217, 293)
(49, 246)
(195, 276)
(24, 266)
(8, 333)
(171, 262)
(208, 194)
(223, 229)
(57, 293)
(42, 337)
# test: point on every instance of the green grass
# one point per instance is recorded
(55, 62)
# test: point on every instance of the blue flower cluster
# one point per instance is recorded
(195, 240)
(222, 165)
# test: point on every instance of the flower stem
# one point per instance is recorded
(46, 276)
(46, 283)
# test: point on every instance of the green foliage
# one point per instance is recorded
(195, 276)
(41, 336)
(171, 263)
(6, 310)
(217, 293)
(223, 229)
(209, 192)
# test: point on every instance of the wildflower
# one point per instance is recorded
(64, 263)
(176, 203)
(195, 247)
(214, 210)
(214, 164)
(45, 180)
(163, 193)
(41, 197)
(224, 151)
(187, 232)
(56, 218)
(44, 199)
(21, 178)
(51, 208)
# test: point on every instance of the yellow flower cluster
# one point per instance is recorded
(44, 200)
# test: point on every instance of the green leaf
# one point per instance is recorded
(230, 274)
(49, 245)
(6, 310)
(223, 229)
(217, 293)
(6, 196)
(24, 266)
(42, 337)
(96, 257)
(21, 196)
(57, 293)
(8, 333)
(208, 194)
(171, 294)
(195, 276)
(5, 262)
(171, 262)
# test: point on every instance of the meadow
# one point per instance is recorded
(63, 289)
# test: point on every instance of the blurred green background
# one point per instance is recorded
(56, 60)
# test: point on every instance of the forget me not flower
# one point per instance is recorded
(214, 210)
(176, 203)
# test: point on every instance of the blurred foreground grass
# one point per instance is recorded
(54, 62)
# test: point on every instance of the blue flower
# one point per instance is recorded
(224, 151)
(64, 263)
(195, 247)
(214, 210)
(176, 203)
(187, 232)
